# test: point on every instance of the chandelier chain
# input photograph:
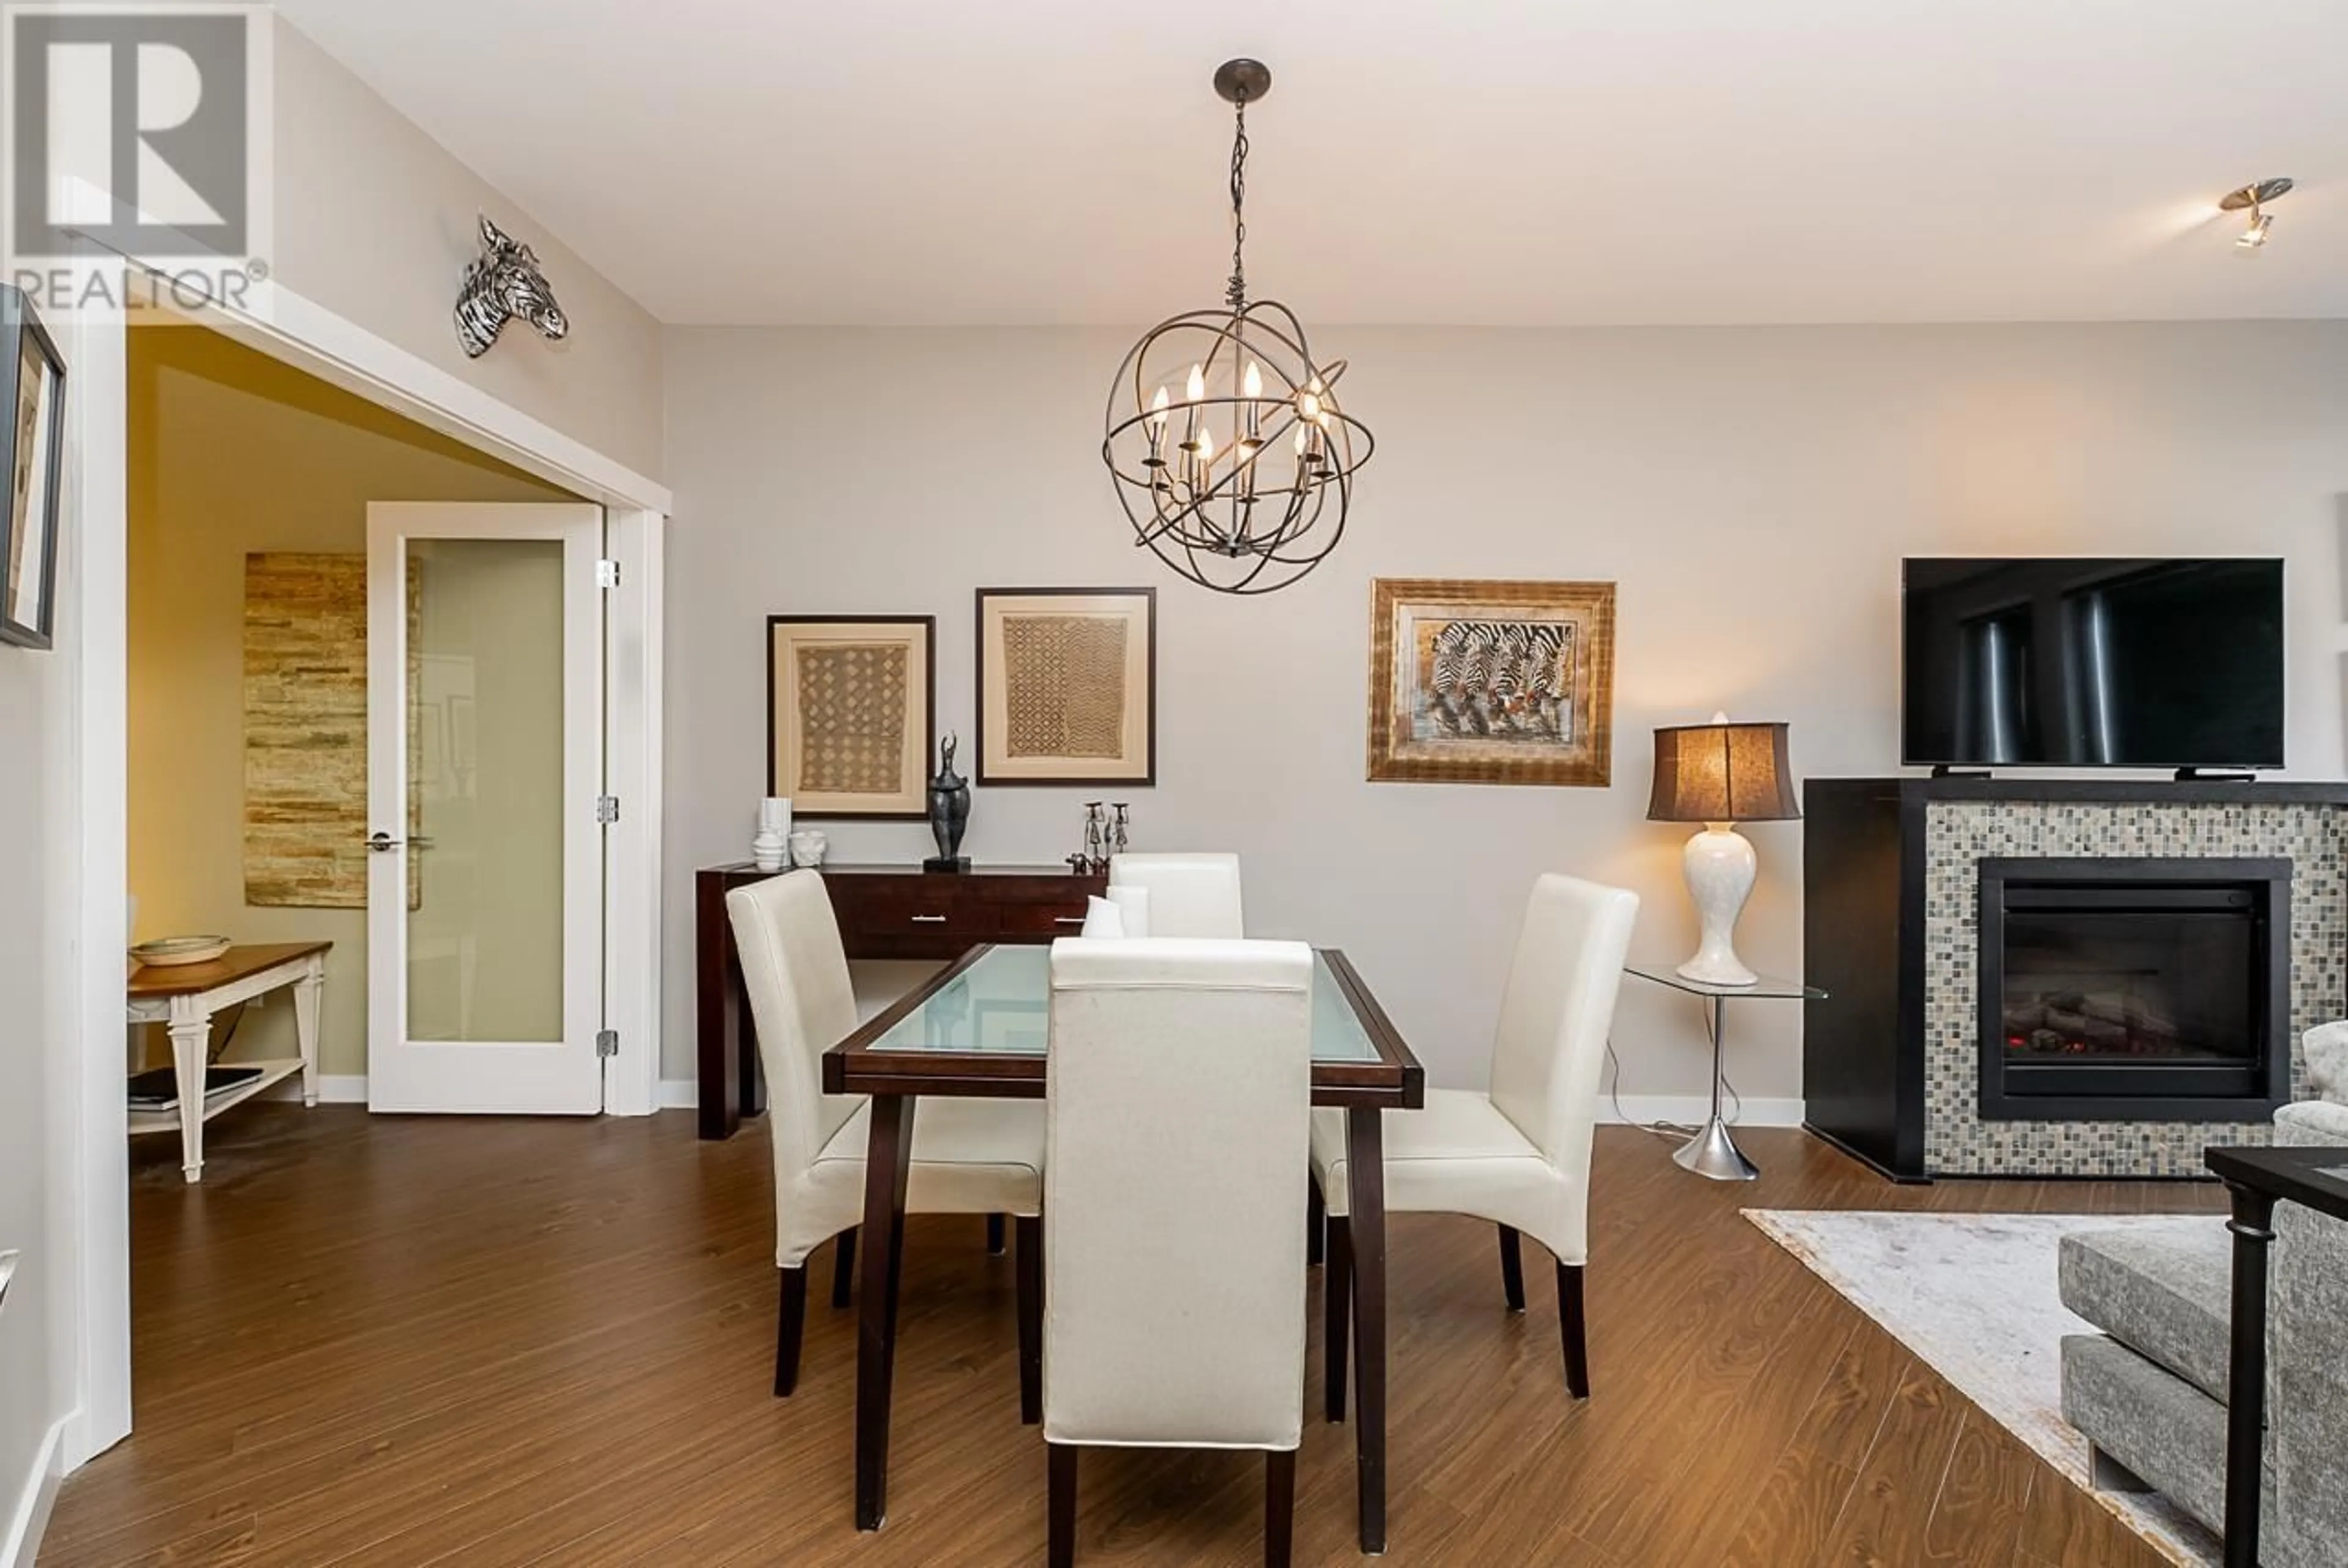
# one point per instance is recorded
(1237, 293)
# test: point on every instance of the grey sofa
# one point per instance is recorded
(2150, 1391)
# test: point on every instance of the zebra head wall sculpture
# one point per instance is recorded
(504, 284)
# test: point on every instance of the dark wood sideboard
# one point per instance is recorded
(884, 912)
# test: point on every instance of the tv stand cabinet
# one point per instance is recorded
(1868, 941)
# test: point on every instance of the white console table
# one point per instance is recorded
(183, 998)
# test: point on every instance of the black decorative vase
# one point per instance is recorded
(949, 812)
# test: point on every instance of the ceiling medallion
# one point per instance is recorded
(1232, 459)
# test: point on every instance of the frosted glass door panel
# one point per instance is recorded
(485, 784)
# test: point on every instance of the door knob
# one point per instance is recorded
(382, 844)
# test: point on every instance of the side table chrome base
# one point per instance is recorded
(1712, 1153)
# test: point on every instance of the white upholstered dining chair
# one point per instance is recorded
(1189, 894)
(969, 1157)
(1518, 1156)
(1178, 1102)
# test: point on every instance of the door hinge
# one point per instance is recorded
(607, 1042)
(607, 574)
(607, 809)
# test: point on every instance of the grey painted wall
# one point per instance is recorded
(376, 221)
(1752, 490)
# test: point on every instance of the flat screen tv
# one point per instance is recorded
(2078, 663)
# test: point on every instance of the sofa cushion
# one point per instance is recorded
(2308, 1352)
(2169, 1433)
(2314, 1123)
(2160, 1289)
(2325, 1047)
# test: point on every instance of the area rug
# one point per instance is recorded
(1974, 1297)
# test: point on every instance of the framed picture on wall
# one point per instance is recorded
(851, 713)
(1067, 686)
(32, 456)
(1492, 682)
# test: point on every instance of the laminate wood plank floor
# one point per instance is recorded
(382, 1341)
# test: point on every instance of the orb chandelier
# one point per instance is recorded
(1232, 458)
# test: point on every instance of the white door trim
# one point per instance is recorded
(634, 540)
(93, 780)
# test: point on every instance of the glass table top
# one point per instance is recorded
(1002, 1005)
(1767, 986)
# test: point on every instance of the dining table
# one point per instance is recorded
(979, 1026)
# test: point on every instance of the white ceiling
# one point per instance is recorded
(1473, 161)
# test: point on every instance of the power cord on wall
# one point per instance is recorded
(1665, 1129)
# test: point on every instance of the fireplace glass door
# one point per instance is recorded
(2115, 986)
(2133, 990)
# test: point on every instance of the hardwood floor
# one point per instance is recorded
(395, 1342)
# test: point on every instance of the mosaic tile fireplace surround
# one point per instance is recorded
(1894, 1060)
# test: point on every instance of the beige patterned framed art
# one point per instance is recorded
(1067, 686)
(851, 713)
(1492, 682)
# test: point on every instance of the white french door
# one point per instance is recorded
(485, 885)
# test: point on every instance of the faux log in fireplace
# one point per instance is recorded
(2133, 989)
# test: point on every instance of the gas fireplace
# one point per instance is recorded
(2139, 991)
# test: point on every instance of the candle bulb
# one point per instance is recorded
(1251, 387)
(1156, 428)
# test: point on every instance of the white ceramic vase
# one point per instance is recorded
(1720, 867)
(770, 846)
(767, 850)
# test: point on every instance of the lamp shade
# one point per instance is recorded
(1722, 773)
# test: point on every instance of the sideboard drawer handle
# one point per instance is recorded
(1067, 920)
(929, 919)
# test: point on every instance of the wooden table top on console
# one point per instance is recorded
(237, 964)
(884, 912)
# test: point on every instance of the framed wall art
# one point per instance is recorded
(1492, 682)
(31, 457)
(1067, 686)
(851, 713)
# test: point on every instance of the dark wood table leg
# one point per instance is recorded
(887, 1165)
(1366, 1176)
(2246, 1386)
(717, 1010)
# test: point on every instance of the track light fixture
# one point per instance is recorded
(2254, 199)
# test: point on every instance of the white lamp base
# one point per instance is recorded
(1720, 867)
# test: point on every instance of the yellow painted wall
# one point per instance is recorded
(231, 453)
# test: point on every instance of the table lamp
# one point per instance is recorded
(1719, 775)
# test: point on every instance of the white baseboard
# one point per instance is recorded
(678, 1094)
(36, 1498)
(1690, 1110)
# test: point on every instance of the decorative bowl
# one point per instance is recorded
(170, 952)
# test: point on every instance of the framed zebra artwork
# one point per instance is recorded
(1492, 682)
